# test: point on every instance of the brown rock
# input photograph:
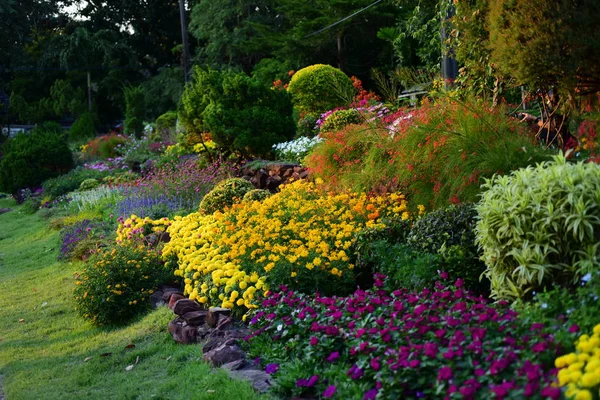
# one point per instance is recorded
(195, 318)
(234, 365)
(259, 379)
(304, 174)
(213, 315)
(174, 298)
(156, 299)
(184, 306)
(224, 354)
(181, 332)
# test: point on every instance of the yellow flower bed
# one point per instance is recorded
(580, 371)
(299, 237)
(134, 229)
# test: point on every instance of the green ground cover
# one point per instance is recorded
(44, 344)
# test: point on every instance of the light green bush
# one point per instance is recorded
(320, 87)
(89, 184)
(540, 225)
(256, 195)
(339, 119)
(225, 194)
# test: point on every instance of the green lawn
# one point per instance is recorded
(48, 352)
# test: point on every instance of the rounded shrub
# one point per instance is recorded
(117, 283)
(307, 126)
(89, 184)
(256, 195)
(540, 225)
(83, 127)
(31, 158)
(339, 119)
(320, 87)
(225, 194)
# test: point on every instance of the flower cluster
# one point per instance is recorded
(296, 149)
(580, 371)
(135, 230)
(299, 236)
(441, 343)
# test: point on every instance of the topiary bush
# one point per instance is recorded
(166, 124)
(31, 158)
(83, 127)
(116, 284)
(256, 195)
(339, 119)
(224, 195)
(320, 87)
(135, 108)
(540, 225)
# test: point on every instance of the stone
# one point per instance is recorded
(234, 365)
(261, 381)
(181, 332)
(273, 182)
(224, 354)
(168, 292)
(5, 210)
(304, 174)
(195, 318)
(213, 315)
(184, 306)
(156, 299)
(174, 298)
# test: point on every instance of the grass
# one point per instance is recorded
(48, 352)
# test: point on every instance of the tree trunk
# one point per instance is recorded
(89, 90)
(341, 56)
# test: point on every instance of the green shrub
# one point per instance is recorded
(225, 194)
(88, 184)
(116, 284)
(83, 127)
(31, 158)
(134, 111)
(71, 181)
(256, 195)
(166, 124)
(246, 117)
(319, 87)
(540, 225)
(195, 98)
(306, 126)
(339, 119)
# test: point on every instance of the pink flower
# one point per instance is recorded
(313, 341)
(445, 373)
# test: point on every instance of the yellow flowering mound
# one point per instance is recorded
(298, 237)
(580, 371)
(135, 230)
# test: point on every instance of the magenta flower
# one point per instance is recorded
(375, 364)
(329, 392)
(370, 395)
(445, 373)
(313, 341)
(271, 368)
(334, 356)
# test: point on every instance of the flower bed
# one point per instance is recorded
(297, 237)
(442, 343)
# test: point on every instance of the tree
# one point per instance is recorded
(547, 44)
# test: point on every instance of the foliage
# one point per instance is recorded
(400, 344)
(270, 70)
(83, 127)
(99, 198)
(139, 150)
(256, 195)
(104, 146)
(31, 158)
(579, 371)
(295, 150)
(117, 283)
(298, 237)
(89, 184)
(134, 111)
(339, 119)
(71, 181)
(166, 123)
(162, 91)
(318, 88)
(225, 194)
(81, 239)
(306, 126)
(539, 225)
(546, 44)
(195, 99)
(246, 116)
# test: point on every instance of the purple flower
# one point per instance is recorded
(445, 373)
(375, 364)
(329, 392)
(370, 395)
(271, 368)
(333, 356)
(354, 372)
(313, 341)
(574, 328)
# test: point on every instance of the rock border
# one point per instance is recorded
(218, 333)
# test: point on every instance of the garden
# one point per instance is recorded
(343, 240)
